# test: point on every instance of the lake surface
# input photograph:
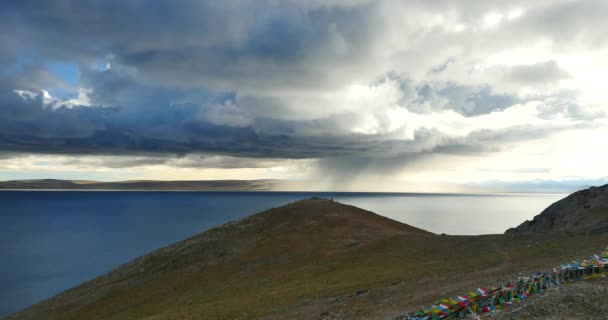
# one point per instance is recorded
(53, 240)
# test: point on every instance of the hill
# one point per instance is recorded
(185, 185)
(584, 209)
(312, 259)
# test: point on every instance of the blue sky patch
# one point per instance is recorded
(67, 72)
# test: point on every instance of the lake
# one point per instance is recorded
(53, 240)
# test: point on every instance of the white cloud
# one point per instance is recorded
(515, 13)
(49, 101)
(492, 19)
(316, 79)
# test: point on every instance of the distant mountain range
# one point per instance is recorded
(536, 186)
(185, 185)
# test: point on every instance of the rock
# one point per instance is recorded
(586, 208)
(361, 292)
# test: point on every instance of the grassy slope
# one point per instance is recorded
(306, 261)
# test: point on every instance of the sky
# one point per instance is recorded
(338, 95)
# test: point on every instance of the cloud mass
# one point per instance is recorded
(415, 91)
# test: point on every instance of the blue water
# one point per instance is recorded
(52, 240)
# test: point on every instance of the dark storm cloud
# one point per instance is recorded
(152, 126)
(23, 121)
(179, 77)
(128, 117)
(384, 159)
(161, 52)
(207, 43)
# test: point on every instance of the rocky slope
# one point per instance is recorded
(584, 209)
(576, 300)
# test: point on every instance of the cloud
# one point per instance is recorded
(376, 85)
(389, 116)
(187, 161)
(537, 74)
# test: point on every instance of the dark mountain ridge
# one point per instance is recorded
(584, 209)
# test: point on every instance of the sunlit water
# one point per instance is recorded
(51, 241)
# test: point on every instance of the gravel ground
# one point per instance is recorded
(575, 300)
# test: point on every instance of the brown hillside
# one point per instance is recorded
(312, 259)
(584, 209)
(295, 235)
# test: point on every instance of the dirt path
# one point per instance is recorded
(505, 254)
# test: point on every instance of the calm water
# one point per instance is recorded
(51, 241)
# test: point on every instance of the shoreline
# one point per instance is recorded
(438, 194)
